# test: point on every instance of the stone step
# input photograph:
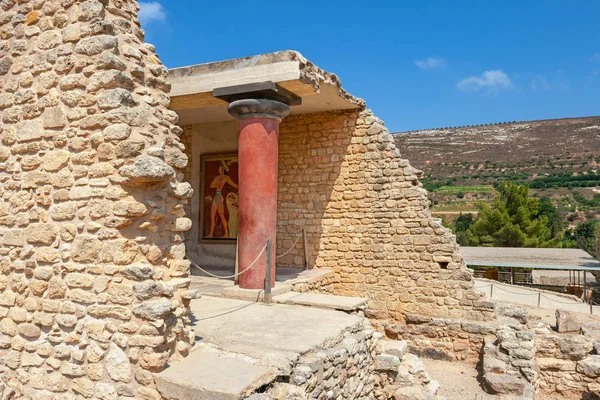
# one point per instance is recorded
(210, 376)
(341, 303)
(235, 292)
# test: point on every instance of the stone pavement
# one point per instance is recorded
(243, 345)
(254, 329)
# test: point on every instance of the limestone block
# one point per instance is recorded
(505, 384)
(86, 248)
(147, 170)
(117, 364)
(117, 132)
(396, 348)
(96, 44)
(589, 366)
(29, 130)
(153, 309)
(387, 362)
(410, 393)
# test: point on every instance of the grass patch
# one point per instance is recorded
(464, 189)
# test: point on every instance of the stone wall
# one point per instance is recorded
(567, 366)
(442, 338)
(367, 217)
(93, 285)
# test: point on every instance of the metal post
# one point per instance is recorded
(584, 287)
(512, 276)
(491, 290)
(305, 248)
(268, 296)
(236, 280)
(539, 298)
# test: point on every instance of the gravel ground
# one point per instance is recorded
(458, 380)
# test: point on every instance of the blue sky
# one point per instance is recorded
(417, 64)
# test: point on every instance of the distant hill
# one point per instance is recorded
(559, 159)
(520, 148)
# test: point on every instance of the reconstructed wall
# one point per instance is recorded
(93, 283)
(366, 215)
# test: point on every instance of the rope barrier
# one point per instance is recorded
(522, 294)
(290, 249)
(556, 301)
(246, 269)
(230, 276)
(481, 287)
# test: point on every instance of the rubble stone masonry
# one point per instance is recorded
(93, 282)
(367, 217)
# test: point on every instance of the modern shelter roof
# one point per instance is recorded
(537, 258)
(192, 87)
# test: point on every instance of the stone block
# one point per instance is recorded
(589, 366)
(387, 363)
(396, 348)
(504, 384)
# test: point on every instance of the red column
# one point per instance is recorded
(258, 156)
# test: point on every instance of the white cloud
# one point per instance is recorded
(151, 11)
(431, 63)
(539, 83)
(490, 80)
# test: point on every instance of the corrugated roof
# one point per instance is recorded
(538, 258)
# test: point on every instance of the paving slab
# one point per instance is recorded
(210, 376)
(236, 292)
(256, 330)
(322, 300)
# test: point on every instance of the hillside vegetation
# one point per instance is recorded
(557, 159)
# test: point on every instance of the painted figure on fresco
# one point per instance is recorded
(217, 208)
(234, 221)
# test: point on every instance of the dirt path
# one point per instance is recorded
(458, 380)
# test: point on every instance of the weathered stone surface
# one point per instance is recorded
(138, 272)
(86, 248)
(504, 384)
(589, 366)
(396, 348)
(571, 321)
(117, 364)
(117, 132)
(74, 109)
(387, 362)
(29, 130)
(410, 393)
(153, 309)
(147, 170)
(96, 44)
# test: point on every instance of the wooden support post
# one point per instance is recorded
(305, 248)
(491, 291)
(585, 296)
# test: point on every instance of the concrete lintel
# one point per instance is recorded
(188, 83)
(192, 87)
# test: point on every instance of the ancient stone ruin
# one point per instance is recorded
(96, 184)
(93, 289)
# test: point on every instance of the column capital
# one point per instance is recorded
(258, 108)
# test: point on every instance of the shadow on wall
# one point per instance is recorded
(312, 149)
(367, 217)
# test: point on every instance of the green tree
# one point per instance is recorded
(515, 219)
(461, 226)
